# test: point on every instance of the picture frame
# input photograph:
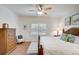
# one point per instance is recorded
(75, 19)
(68, 21)
(72, 20)
(25, 26)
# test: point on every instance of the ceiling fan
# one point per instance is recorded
(42, 9)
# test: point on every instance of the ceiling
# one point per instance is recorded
(57, 9)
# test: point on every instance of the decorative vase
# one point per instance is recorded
(5, 25)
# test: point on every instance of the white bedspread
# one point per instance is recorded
(55, 46)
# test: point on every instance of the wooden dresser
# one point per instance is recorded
(7, 40)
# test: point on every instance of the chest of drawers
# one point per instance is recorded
(7, 40)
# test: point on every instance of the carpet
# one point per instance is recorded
(21, 49)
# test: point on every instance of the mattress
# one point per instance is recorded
(55, 46)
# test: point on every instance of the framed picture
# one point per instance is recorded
(25, 26)
(75, 19)
(68, 21)
(72, 20)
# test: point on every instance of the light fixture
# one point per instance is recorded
(57, 33)
(60, 32)
(40, 12)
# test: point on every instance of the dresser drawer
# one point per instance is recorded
(11, 32)
(12, 46)
(11, 42)
(11, 39)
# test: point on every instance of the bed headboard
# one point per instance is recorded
(73, 31)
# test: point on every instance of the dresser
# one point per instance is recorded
(7, 40)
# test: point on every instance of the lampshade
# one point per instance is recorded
(54, 33)
(59, 32)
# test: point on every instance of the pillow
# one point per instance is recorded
(76, 40)
(68, 38)
(71, 38)
(64, 37)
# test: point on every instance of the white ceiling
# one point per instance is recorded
(57, 9)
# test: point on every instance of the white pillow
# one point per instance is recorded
(76, 39)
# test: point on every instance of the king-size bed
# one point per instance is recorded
(55, 46)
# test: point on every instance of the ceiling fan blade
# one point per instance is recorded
(32, 10)
(40, 7)
(45, 13)
(49, 8)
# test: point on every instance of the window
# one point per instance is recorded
(39, 29)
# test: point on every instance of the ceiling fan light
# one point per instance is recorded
(40, 13)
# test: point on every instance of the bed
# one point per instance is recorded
(55, 46)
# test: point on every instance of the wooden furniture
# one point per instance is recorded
(5, 25)
(7, 40)
(73, 31)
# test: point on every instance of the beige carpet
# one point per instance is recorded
(21, 49)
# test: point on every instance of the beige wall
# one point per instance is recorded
(53, 22)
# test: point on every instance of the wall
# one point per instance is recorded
(69, 26)
(7, 16)
(52, 22)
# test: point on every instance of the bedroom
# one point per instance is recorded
(29, 24)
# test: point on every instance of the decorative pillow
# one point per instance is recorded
(71, 38)
(76, 40)
(68, 38)
(64, 37)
